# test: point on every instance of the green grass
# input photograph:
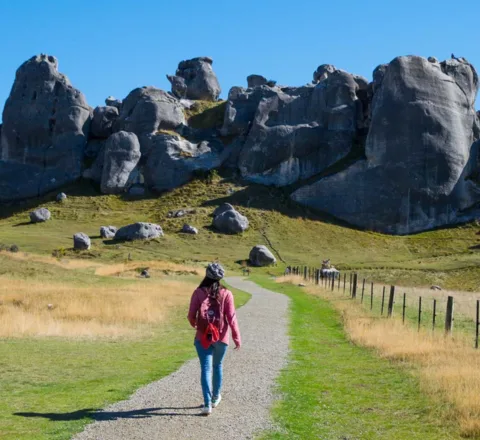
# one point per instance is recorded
(332, 389)
(446, 256)
(50, 387)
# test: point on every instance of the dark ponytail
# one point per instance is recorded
(213, 286)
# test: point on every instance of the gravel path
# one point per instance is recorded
(169, 408)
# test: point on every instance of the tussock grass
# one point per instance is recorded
(449, 368)
(33, 308)
(130, 269)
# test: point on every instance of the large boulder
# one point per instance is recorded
(40, 215)
(260, 256)
(108, 232)
(195, 79)
(230, 222)
(81, 242)
(172, 161)
(111, 101)
(103, 120)
(419, 153)
(139, 231)
(45, 128)
(146, 110)
(121, 156)
(256, 81)
(223, 208)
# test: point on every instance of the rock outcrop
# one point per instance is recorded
(188, 229)
(139, 231)
(121, 156)
(40, 215)
(103, 120)
(195, 79)
(61, 197)
(108, 232)
(418, 152)
(261, 256)
(81, 242)
(45, 129)
(230, 221)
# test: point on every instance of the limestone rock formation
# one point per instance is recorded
(195, 79)
(222, 208)
(40, 215)
(139, 231)
(103, 120)
(45, 128)
(61, 197)
(121, 156)
(81, 242)
(230, 222)
(419, 153)
(260, 256)
(108, 232)
(146, 110)
(188, 229)
(172, 161)
(256, 80)
(111, 101)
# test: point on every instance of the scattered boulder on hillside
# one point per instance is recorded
(195, 79)
(45, 129)
(146, 110)
(260, 255)
(111, 101)
(418, 152)
(187, 229)
(172, 162)
(139, 231)
(122, 153)
(40, 215)
(103, 120)
(176, 213)
(108, 232)
(223, 208)
(230, 222)
(61, 197)
(81, 242)
(256, 80)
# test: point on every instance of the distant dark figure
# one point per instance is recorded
(453, 57)
(145, 274)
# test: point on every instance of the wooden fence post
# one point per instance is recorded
(404, 307)
(449, 316)
(344, 282)
(477, 324)
(419, 312)
(391, 301)
(305, 272)
(354, 286)
(351, 281)
(333, 282)
(339, 278)
(434, 318)
(363, 290)
(383, 300)
(371, 297)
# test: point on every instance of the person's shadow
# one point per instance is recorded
(102, 416)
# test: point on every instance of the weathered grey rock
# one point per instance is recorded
(322, 72)
(108, 232)
(173, 161)
(432, 59)
(195, 79)
(111, 101)
(139, 231)
(81, 242)
(230, 222)
(187, 229)
(122, 153)
(223, 208)
(61, 197)
(146, 110)
(40, 215)
(137, 191)
(419, 153)
(44, 132)
(256, 80)
(95, 171)
(93, 148)
(103, 120)
(260, 256)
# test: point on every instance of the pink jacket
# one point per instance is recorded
(228, 312)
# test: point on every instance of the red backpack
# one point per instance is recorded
(210, 318)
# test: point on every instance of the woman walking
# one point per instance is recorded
(212, 313)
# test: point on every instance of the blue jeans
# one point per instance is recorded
(211, 357)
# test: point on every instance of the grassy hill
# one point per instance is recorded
(450, 257)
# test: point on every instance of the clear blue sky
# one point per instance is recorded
(109, 47)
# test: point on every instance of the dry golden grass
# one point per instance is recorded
(56, 309)
(64, 263)
(449, 368)
(129, 269)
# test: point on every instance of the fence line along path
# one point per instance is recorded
(169, 408)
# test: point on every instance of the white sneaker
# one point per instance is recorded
(216, 401)
(206, 410)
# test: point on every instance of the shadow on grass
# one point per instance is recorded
(23, 224)
(102, 416)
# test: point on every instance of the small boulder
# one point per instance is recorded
(61, 197)
(81, 242)
(139, 231)
(111, 101)
(256, 81)
(260, 255)
(434, 287)
(432, 60)
(223, 208)
(145, 273)
(40, 215)
(108, 232)
(187, 229)
(230, 222)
